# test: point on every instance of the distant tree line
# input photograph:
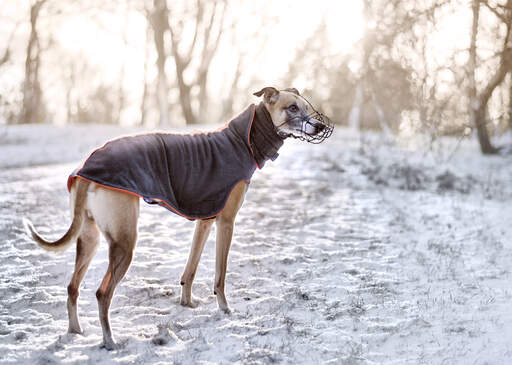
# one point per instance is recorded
(392, 81)
(189, 55)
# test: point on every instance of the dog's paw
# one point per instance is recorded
(75, 331)
(226, 310)
(189, 303)
(110, 346)
(223, 307)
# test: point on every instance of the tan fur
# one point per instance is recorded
(77, 212)
(115, 214)
(277, 101)
(277, 110)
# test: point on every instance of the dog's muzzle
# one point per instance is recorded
(313, 128)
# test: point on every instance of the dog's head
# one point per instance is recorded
(294, 116)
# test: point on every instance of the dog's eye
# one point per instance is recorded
(293, 108)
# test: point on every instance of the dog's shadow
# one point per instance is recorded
(87, 347)
(74, 350)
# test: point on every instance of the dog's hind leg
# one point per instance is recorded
(86, 248)
(116, 215)
(200, 236)
(120, 257)
(225, 225)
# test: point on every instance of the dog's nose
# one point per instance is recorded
(318, 126)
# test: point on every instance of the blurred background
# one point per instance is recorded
(435, 67)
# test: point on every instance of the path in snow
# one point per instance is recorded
(329, 264)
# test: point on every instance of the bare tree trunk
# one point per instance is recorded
(371, 112)
(69, 90)
(227, 102)
(5, 57)
(120, 88)
(185, 99)
(159, 22)
(474, 105)
(32, 94)
(181, 62)
(478, 103)
(182, 59)
(209, 49)
(510, 104)
(144, 100)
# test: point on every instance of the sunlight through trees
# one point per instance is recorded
(432, 66)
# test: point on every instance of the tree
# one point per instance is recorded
(478, 101)
(326, 77)
(196, 52)
(33, 108)
(369, 88)
(145, 92)
(209, 18)
(158, 18)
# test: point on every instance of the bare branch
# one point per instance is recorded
(199, 21)
(7, 53)
(221, 25)
(184, 60)
(498, 77)
(209, 49)
(495, 11)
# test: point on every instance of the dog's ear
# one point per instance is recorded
(293, 90)
(270, 94)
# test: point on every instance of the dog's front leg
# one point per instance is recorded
(223, 243)
(225, 223)
(200, 236)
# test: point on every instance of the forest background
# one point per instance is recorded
(437, 67)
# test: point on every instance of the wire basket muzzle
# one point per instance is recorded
(316, 128)
(313, 128)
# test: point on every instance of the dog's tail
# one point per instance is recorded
(74, 229)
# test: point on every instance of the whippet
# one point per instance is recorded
(202, 177)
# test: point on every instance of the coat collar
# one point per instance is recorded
(264, 140)
(255, 127)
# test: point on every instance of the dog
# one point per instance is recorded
(104, 197)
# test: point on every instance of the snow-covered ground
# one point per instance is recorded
(354, 251)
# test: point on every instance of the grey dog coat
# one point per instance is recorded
(190, 174)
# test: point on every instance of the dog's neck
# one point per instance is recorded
(265, 142)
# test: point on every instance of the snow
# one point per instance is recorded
(356, 251)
